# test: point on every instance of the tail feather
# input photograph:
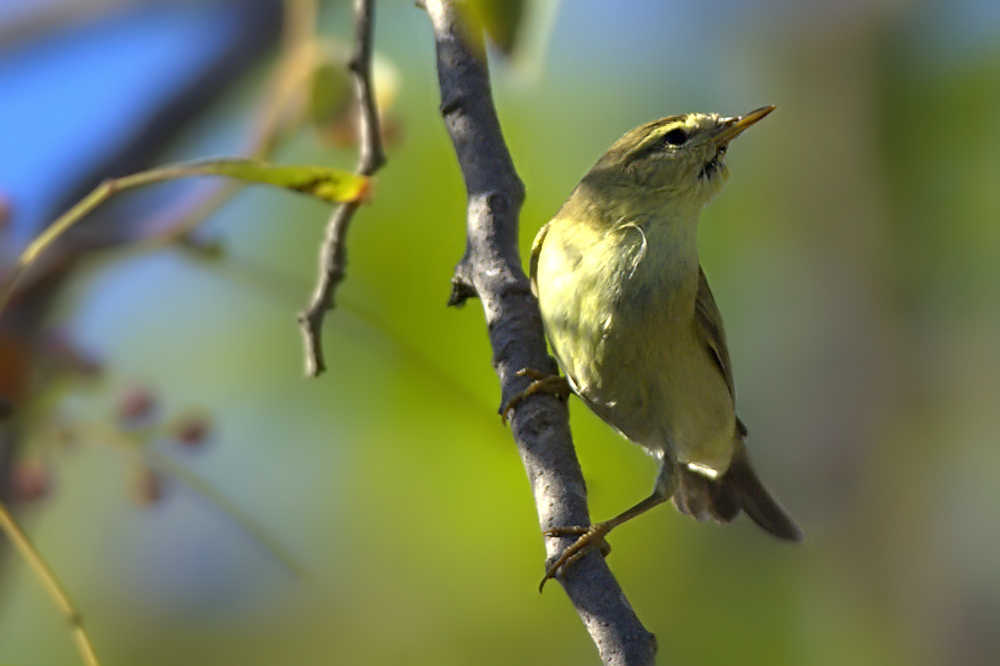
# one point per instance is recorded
(693, 496)
(739, 489)
(758, 504)
(724, 505)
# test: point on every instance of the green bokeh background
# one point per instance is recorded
(856, 258)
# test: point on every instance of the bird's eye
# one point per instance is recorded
(676, 137)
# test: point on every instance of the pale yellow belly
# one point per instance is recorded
(667, 395)
(632, 352)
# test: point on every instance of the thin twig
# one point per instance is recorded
(491, 270)
(48, 579)
(333, 253)
(322, 182)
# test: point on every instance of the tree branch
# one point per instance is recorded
(333, 253)
(491, 270)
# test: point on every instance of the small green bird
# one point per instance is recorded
(633, 324)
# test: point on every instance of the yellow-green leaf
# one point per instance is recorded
(501, 19)
(333, 185)
(329, 92)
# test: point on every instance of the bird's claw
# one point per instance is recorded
(589, 537)
(544, 383)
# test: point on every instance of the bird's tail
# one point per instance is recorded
(739, 489)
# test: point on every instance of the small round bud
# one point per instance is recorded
(136, 407)
(31, 480)
(192, 430)
(146, 486)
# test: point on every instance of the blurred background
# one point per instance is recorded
(170, 461)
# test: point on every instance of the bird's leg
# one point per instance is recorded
(544, 383)
(593, 536)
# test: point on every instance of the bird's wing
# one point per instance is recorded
(709, 319)
(536, 248)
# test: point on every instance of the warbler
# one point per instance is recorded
(633, 324)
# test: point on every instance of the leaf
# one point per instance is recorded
(329, 92)
(501, 19)
(327, 183)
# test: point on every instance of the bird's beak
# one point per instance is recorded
(733, 127)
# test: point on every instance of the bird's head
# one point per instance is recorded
(674, 160)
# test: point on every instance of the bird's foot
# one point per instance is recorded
(589, 538)
(544, 383)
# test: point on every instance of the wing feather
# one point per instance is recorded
(709, 319)
(536, 248)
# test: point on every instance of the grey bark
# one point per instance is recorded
(333, 252)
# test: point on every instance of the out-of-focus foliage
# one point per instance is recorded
(326, 183)
(500, 18)
(853, 255)
(330, 105)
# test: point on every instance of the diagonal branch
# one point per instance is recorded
(491, 270)
(13, 531)
(333, 252)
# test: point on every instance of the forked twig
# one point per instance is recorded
(333, 252)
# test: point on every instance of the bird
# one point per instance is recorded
(633, 325)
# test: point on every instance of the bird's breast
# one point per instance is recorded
(618, 309)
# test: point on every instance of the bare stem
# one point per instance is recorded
(48, 579)
(491, 270)
(333, 252)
